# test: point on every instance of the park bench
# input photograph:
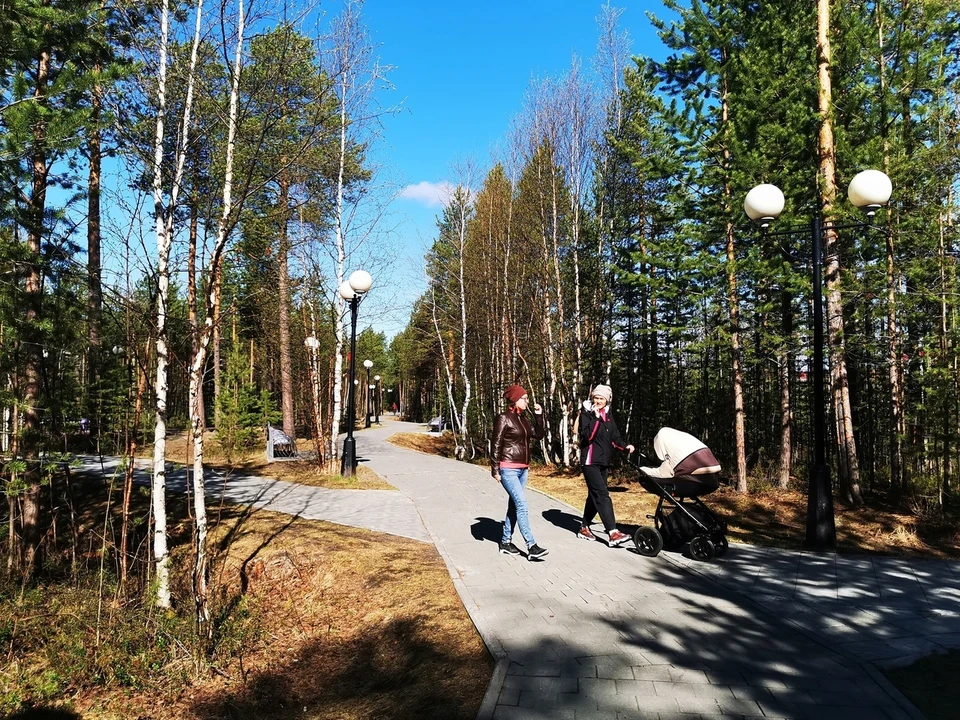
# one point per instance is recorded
(280, 446)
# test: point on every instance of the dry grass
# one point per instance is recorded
(326, 624)
(311, 621)
(762, 517)
(254, 462)
(430, 443)
(356, 625)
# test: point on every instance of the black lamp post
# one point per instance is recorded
(368, 364)
(376, 399)
(869, 190)
(353, 291)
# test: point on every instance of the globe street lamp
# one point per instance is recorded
(353, 290)
(368, 364)
(376, 399)
(869, 190)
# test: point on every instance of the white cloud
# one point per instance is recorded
(428, 193)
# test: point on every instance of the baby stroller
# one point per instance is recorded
(689, 470)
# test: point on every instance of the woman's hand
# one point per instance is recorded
(537, 409)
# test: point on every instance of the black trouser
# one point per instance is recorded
(598, 497)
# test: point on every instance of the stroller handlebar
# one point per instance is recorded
(639, 455)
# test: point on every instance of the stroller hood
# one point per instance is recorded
(682, 454)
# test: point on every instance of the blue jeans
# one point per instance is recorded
(514, 481)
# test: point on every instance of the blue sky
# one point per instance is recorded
(461, 70)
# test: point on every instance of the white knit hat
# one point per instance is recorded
(603, 391)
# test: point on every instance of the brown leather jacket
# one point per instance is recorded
(511, 439)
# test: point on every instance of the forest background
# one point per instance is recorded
(605, 243)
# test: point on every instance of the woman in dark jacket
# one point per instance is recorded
(599, 437)
(510, 460)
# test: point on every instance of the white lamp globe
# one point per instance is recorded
(763, 203)
(368, 364)
(377, 378)
(346, 292)
(870, 189)
(360, 281)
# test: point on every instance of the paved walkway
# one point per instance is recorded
(594, 632)
(606, 634)
(382, 510)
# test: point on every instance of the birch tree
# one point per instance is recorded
(463, 214)
(357, 75)
(577, 140)
(198, 362)
(164, 220)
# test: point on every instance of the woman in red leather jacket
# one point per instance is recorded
(509, 462)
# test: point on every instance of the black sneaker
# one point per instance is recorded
(509, 549)
(535, 552)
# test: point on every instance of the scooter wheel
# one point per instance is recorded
(720, 546)
(649, 542)
(701, 548)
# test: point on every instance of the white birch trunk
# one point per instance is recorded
(467, 387)
(159, 483)
(343, 52)
(200, 570)
(443, 355)
(576, 103)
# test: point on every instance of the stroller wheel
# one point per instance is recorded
(720, 545)
(649, 542)
(701, 548)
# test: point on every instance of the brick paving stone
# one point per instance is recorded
(699, 705)
(712, 691)
(578, 669)
(738, 706)
(595, 714)
(615, 671)
(595, 687)
(545, 669)
(638, 715)
(722, 677)
(658, 704)
(653, 672)
(635, 687)
(618, 703)
(538, 699)
(509, 696)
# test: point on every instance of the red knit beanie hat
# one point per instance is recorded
(514, 393)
